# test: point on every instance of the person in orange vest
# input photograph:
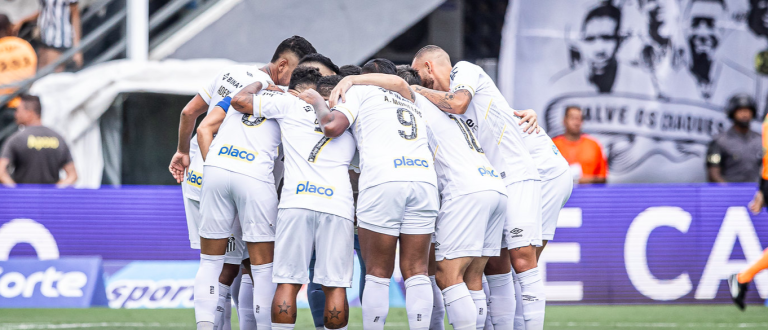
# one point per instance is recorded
(738, 283)
(18, 60)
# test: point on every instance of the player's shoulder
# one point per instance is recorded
(462, 66)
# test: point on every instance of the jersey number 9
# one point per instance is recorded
(410, 122)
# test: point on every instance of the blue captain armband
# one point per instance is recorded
(224, 103)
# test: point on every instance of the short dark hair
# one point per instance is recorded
(322, 59)
(296, 45)
(569, 107)
(427, 49)
(304, 75)
(350, 70)
(379, 65)
(32, 102)
(326, 84)
(409, 74)
(605, 10)
(5, 23)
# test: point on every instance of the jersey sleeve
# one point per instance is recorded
(270, 104)
(714, 154)
(464, 76)
(207, 90)
(350, 108)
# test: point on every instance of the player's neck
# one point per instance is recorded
(573, 137)
(271, 71)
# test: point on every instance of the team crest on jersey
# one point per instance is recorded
(252, 121)
(308, 188)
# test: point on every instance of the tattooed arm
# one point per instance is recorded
(456, 103)
(243, 100)
(386, 81)
(332, 123)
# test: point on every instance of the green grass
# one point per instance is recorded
(558, 317)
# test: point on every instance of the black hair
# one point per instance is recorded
(379, 65)
(350, 70)
(32, 102)
(5, 23)
(326, 84)
(605, 10)
(296, 45)
(304, 75)
(409, 74)
(320, 58)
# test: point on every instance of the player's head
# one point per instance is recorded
(304, 77)
(572, 120)
(600, 35)
(409, 74)
(741, 109)
(350, 70)
(322, 63)
(326, 84)
(434, 67)
(287, 56)
(29, 110)
(758, 17)
(379, 65)
(6, 27)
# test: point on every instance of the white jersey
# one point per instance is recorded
(316, 167)
(246, 144)
(227, 82)
(493, 122)
(460, 162)
(547, 157)
(391, 137)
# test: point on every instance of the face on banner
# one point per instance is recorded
(652, 77)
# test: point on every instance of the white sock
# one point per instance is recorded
(207, 288)
(221, 305)
(487, 292)
(418, 302)
(482, 308)
(519, 320)
(502, 301)
(205, 326)
(263, 292)
(438, 307)
(245, 308)
(534, 302)
(460, 307)
(375, 302)
(282, 326)
(320, 328)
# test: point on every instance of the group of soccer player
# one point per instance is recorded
(469, 189)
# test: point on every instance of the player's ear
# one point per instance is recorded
(428, 67)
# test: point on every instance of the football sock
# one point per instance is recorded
(220, 305)
(418, 302)
(245, 307)
(519, 319)
(502, 301)
(748, 274)
(375, 302)
(283, 326)
(459, 306)
(263, 292)
(481, 308)
(487, 291)
(534, 301)
(438, 307)
(206, 289)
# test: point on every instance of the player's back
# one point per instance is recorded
(460, 162)
(391, 137)
(545, 154)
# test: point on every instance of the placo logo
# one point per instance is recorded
(238, 153)
(313, 189)
(195, 179)
(486, 171)
(52, 283)
(408, 162)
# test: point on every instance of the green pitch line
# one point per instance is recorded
(558, 317)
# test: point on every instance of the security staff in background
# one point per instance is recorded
(736, 154)
(35, 152)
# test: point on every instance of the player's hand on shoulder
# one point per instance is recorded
(340, 91)
(179, 164)
(310, 96)
(530, 119)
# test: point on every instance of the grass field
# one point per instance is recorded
(558, 317)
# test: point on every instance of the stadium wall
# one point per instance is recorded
(624, 244)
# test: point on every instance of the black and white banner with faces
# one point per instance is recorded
(653, 77)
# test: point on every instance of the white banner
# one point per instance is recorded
(651, 76)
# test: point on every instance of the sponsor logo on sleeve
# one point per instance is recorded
(484, 171)
(410, 162)
(308, 188)
(194, 179)
(238, 153)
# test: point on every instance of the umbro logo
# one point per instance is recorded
(418, 317)
(529, 298)
(480, 311)
(376, 319)
(219, 309)
(516, 231)
(212, 290)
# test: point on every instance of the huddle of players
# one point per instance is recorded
(444, 163)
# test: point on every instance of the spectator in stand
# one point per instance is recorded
(583, 153)
(60, 30)
(736, 154)
(36, 152)
(18, 60)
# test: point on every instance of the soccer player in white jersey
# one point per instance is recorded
(398, 197)
(467, 91)
(316, 210)
(230, 81)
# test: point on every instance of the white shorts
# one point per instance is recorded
(234, 255)
(554, 194)
(225, 194)
(470, 225)
(523, 224)
(333, 239)
(395, 208)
